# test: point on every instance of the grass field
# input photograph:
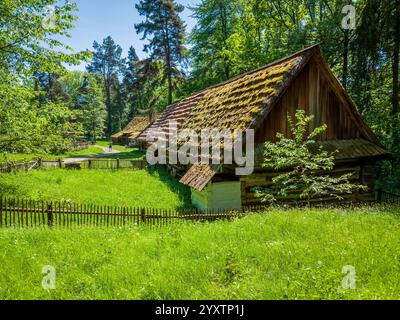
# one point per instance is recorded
(98, 187)
(105, 144)
(125, 153)
(15, 157)
(278, 255)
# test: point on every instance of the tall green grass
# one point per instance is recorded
(154, 188)
(277, 255)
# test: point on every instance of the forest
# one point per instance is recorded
(46, 109)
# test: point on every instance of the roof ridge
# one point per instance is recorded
(271, 64)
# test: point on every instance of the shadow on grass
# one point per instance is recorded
(173, 184)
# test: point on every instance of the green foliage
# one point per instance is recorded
(28, 47)
(108, 65)
(292, 254)
(304, 173)
(87, 99)
(165, 31)
(28, 36)
(26, 127)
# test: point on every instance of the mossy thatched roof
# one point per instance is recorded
(134, 128)
(235, 104)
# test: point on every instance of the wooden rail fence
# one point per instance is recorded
(19, 166)
(18, 213)
(388, 197)
(108, 164)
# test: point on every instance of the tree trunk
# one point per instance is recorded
(224, 23)
(345, 58)
(169, 86)
(108, 102)
(395, 63)
(168, 64)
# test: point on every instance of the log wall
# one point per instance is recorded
(312, 92)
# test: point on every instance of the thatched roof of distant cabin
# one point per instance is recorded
(134, 128)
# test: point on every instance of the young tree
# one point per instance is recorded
(108, 64)
(165, 31)
(304, 168)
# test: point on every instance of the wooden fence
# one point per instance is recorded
(388, 197)
(19, 166)
(109, 164)
(114, 164)
(17, 213)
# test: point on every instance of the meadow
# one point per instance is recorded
(141, 188)
(125, 153)
(295, 254)
(17, 157)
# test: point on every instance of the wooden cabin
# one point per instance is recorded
(261, 100)
(130, 133)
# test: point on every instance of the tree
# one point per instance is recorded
(32, 119)
(86, 98)
(131, 83)
(216, 21)
(108, 64)
(30, 128)
(303, 167)
(165, 31)
(28, 36)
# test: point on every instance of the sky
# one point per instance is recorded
(98, 19)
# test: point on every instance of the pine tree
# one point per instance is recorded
(109, 65)
(131, 82)
(165, 31)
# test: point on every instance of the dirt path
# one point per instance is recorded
(108, 151)
(100, 155)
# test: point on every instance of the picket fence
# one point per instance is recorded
(19, 213)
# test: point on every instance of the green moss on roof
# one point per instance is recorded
(234, 104)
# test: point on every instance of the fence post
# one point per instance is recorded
(143, 215)
(50, 215)
(60, 163)
(117, 163)
(90, 163)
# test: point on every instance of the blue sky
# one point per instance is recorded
(98, 19)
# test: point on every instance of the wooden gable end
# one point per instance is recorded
(313, 91)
